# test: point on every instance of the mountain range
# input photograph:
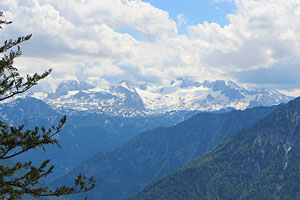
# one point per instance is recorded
(125, 99)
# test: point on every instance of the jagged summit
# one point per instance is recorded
(128, 85)
(185, 83)
(69, 85)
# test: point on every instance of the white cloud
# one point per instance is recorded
(129, 14)
(260, 33)
(102, 68)
(87, 35)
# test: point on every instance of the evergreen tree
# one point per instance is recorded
(23, 178)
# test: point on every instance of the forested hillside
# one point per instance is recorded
(261, 162)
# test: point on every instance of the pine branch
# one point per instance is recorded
(30, 139)
(3, 21)
(17, 86)
(82, 184)
(8, 44)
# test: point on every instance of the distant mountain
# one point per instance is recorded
(184, 94)
(261, 162)
(155, 153)
(124, 99)
(28, 111)
(118, 100)
(69, 85)
(131, 98)
(84, 133)
(186, 83)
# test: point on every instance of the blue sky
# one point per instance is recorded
(194, 12)
(105, 41)
(197, 11)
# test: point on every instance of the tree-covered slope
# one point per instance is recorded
(155, 153)
(261, 162)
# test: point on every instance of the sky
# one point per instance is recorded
(252, 42)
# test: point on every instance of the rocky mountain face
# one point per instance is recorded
(124, 99)
(261, 162)
(155, 153)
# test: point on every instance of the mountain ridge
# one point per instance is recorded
(124, 99)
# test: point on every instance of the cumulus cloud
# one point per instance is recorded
(260, 33)
(86, 35)
(102, 68)
(130, 14)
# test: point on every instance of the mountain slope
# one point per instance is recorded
(261, 162)
(158, 152)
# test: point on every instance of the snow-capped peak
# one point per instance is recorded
(128, 85)
(69, 85)
(179, 94)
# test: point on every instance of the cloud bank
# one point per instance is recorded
(96, 40)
